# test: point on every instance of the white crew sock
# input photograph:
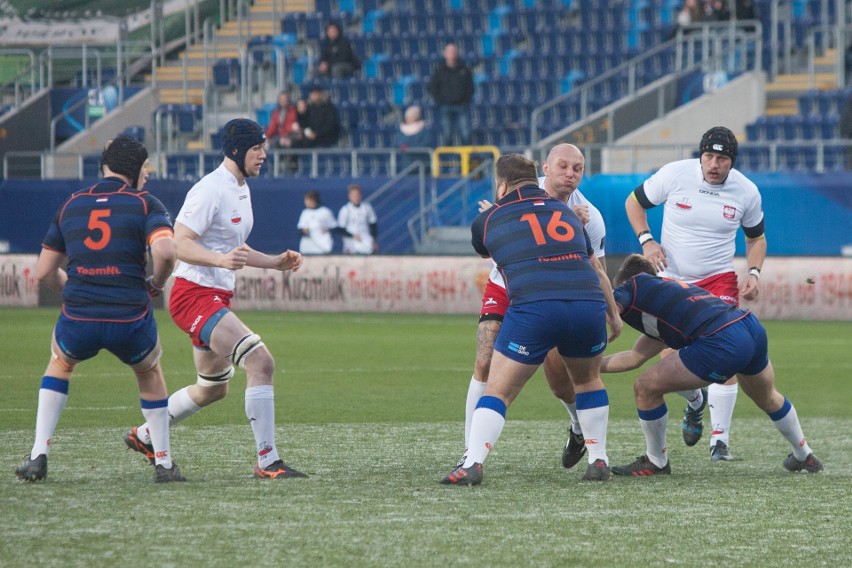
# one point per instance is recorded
(593, 414)
(572, 412)
(485, 430)
(260, 411)
(721, 400)
(654, 424)
(156, 413)
(181, 407)
(786, 421)
(474, 393)
(52, 397)
(693, 397)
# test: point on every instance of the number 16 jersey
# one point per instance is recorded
(539, 246)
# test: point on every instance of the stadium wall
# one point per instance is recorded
(795, 288)
(806, 214)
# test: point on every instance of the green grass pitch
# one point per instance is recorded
(371, 406)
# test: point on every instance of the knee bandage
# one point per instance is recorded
(245, 347)
(216, 379)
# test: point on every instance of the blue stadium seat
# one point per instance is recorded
(751, 158)
(136, 132)
(92, 166)
(836, 158)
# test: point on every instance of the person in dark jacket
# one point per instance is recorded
(337, 59)
(451, 87)
(321, 128)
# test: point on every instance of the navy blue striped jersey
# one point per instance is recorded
(672, 311)
(105, 231)
(539, 246)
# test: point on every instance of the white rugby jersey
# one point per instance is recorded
(700, 220)
(218, 209)
(357, 221)
(595, 228)
(318, 222)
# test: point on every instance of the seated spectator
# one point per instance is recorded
(337, 59)
(321, 125)
(692, 12)
(413, 133)
(283, 124)
(717, 11)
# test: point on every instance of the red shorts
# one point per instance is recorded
(722, 285)
(193, 306)
(495, 302)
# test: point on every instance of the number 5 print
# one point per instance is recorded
(96, 222)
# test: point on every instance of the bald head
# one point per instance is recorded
(563, 170)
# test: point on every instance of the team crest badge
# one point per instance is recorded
(729, 212)
(684, 204)
(235, 217)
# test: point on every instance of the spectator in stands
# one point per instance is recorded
(846, 130)
(717, 11)
(413, 133)
(282, 124)
(692, 12)
(316, 224)
(337, 59)
(744, 10)
(358, 219)
(321, 124)
(451, 86)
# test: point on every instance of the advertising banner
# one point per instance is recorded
(18, 285)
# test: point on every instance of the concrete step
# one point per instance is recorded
(193, 73)
(176, 96)
(792, 86)
(782, 106)
(263, 26)
(453, 240)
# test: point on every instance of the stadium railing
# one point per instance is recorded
(816, 156)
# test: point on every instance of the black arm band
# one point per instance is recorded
(756, 231)
(643, 200)
(374, 230)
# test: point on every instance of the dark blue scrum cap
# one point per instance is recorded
(238, 136)
(719, 140)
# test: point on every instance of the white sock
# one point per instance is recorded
(474, 393)
(156, 414)
(52, 397)
(572, 412)
(260, 411)
(485, 430)
(654, 424)
(786, 421)
(181, 407)
(693, 397)
(721, 400)
(593, 414)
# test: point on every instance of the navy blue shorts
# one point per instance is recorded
(129, 341)
(576, 327)
(738, 348)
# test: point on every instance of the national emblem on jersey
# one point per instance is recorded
(684, 204)
(236, 218)
(730, 212)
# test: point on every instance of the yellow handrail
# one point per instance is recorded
(464, 153)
